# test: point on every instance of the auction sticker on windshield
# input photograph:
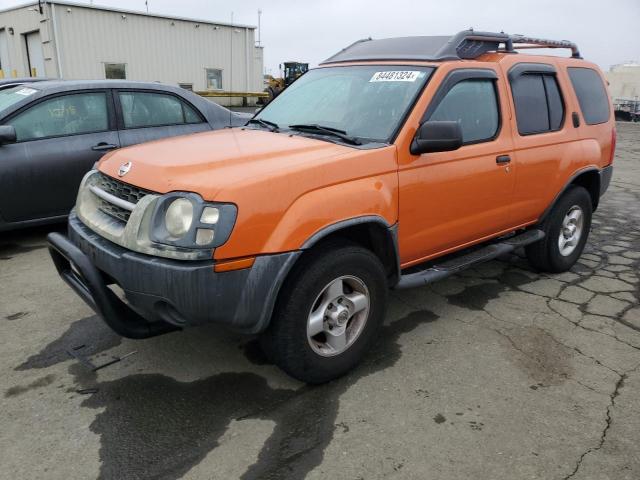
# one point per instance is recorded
(396, 76)
(26, 92)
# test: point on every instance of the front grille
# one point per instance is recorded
(121, 190)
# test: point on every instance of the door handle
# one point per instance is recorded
(502, 159)
(103, 146)
(576, 119)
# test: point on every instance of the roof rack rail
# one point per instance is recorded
(469, 44)
(532, 42)
(465, 45)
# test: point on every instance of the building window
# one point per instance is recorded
(115, 71)
(214, 79)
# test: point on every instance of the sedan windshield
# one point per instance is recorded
(13, 95)
(365, 102)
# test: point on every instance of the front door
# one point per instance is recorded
(451, 199)
(59, 140)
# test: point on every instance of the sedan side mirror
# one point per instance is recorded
(7, 134)
(437, 136)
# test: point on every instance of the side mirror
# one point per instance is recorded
(7, 134)
(437, 136)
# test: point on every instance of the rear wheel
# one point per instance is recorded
(566, 232)
(328, 313)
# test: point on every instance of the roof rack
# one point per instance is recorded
(467, 44)
(532, 42)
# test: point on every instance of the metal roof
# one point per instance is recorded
(467, 44)
(129, 12)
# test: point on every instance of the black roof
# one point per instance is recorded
(467, 44)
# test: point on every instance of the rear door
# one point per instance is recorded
(145, 115)
(59, 138)
(545, 136)
(451, 199)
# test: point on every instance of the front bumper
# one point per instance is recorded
(163, 295)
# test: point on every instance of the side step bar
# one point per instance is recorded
(466, 260)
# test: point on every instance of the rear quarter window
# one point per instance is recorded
(591, 93)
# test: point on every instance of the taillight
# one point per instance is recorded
(614, 138)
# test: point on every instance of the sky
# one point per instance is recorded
(312, 30)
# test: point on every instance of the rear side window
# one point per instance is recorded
(474, 104)
(538, 101)
(591, 94)
(146, 109)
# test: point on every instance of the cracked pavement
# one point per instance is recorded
(499, 372)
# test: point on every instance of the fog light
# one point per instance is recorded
(204, 236)
(210, 215)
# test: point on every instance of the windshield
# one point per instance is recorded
(367, 102)
(13, 95)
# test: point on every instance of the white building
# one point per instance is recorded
(624, 81)
(69, 40)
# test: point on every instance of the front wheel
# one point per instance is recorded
(328, 313)
(566, 230)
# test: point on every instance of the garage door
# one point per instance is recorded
(34, 53)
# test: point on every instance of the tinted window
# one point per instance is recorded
(538, 101)
(472, 103)
(145, 109)
(554, 102)
(65, 115)
(591, 94)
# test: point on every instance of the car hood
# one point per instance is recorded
(207, 162)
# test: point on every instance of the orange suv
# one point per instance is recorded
(395, 163)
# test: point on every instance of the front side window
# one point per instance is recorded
(147, 109)
(472, 103)
(214, 79)
(591, 94)
(115, 71)
(538, 102)
(64, 115)
(367, 102)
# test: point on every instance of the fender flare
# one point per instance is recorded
(391, 230)
(573, 177)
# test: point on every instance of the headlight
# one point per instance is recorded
(183, 219)
(179, 217)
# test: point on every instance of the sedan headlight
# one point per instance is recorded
(183, 219)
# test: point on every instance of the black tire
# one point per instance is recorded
(285, 342)
(545, 255)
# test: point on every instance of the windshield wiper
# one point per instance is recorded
(271, 126)
(327, 131)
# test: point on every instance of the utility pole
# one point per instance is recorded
(146, 4)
